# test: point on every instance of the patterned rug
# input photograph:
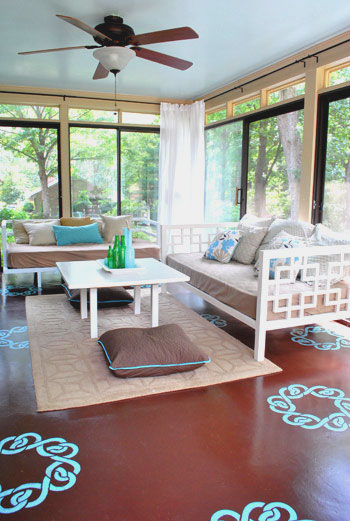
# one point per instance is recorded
(70, 370)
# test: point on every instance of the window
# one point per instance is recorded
(223, 172)
(28, 112)
(139, 173)
(218, 115)
(332, 194)
(274, 164)
(93, 115)
(113, 180)
(137, 118)
(94, 181)
(29, 177)
(339, 75)
(246, 106)
(287, 92)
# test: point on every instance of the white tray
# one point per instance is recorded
(101, 263)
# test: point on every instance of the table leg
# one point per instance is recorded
(83, 303)
(137, 300)
(93, 313)
(154, 304)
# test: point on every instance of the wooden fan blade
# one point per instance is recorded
(83, 26)
(164, 59)
(168, 35)
(100, 72)
(58, 49)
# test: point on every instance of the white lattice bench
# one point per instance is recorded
(279, 303)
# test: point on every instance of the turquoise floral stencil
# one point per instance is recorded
(259, 511)
(334, 421)
(301, 336)
(19, 291)
(10, 338)
(60, 474)
(214, 319)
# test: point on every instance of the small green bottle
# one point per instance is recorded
(121, 253)
(110, 258)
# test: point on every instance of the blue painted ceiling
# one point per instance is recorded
(235, 38)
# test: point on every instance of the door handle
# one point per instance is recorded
(238, 199)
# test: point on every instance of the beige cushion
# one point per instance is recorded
(19, 232)
(41, 234)
(75, 221)
(114, 225)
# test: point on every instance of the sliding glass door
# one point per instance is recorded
(274, 164)
(223, 194)
(113, 171)
(94, 180)
(332, 198)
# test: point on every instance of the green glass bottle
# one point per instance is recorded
(110, 258)
(115, 252)
(121, 253)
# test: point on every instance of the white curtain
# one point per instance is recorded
(181, 163)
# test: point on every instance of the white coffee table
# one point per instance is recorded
(88, 275)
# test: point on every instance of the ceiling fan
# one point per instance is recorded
(114, 38)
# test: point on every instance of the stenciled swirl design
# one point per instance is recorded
(265, 511)
(18, 291)
(337, 421)
(300, 335)
(59, 475)
(214, 319)
(6, 341)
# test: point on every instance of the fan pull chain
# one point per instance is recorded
(115, 94)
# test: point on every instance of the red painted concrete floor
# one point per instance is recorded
(186, 455)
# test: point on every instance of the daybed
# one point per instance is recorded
(321, 291)
(27, 258)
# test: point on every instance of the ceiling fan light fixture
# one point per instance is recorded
(114, 58)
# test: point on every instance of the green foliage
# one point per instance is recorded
(28, 207)
(216, 116)
(246, 106)
(9, 193)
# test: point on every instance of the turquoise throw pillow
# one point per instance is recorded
(77, 234)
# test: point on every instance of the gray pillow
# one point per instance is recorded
(248, 244)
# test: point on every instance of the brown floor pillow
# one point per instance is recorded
(106, 297)
(154, 351)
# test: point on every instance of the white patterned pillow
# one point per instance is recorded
(283, 240)
(251, 220)
(324, 236)
(295, 228)
(222, 247)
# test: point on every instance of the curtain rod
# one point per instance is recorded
(300, 60)
(64, 96)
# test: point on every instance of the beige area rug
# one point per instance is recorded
(70, 369)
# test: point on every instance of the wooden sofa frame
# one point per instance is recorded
(6, 230)
(195, 238)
